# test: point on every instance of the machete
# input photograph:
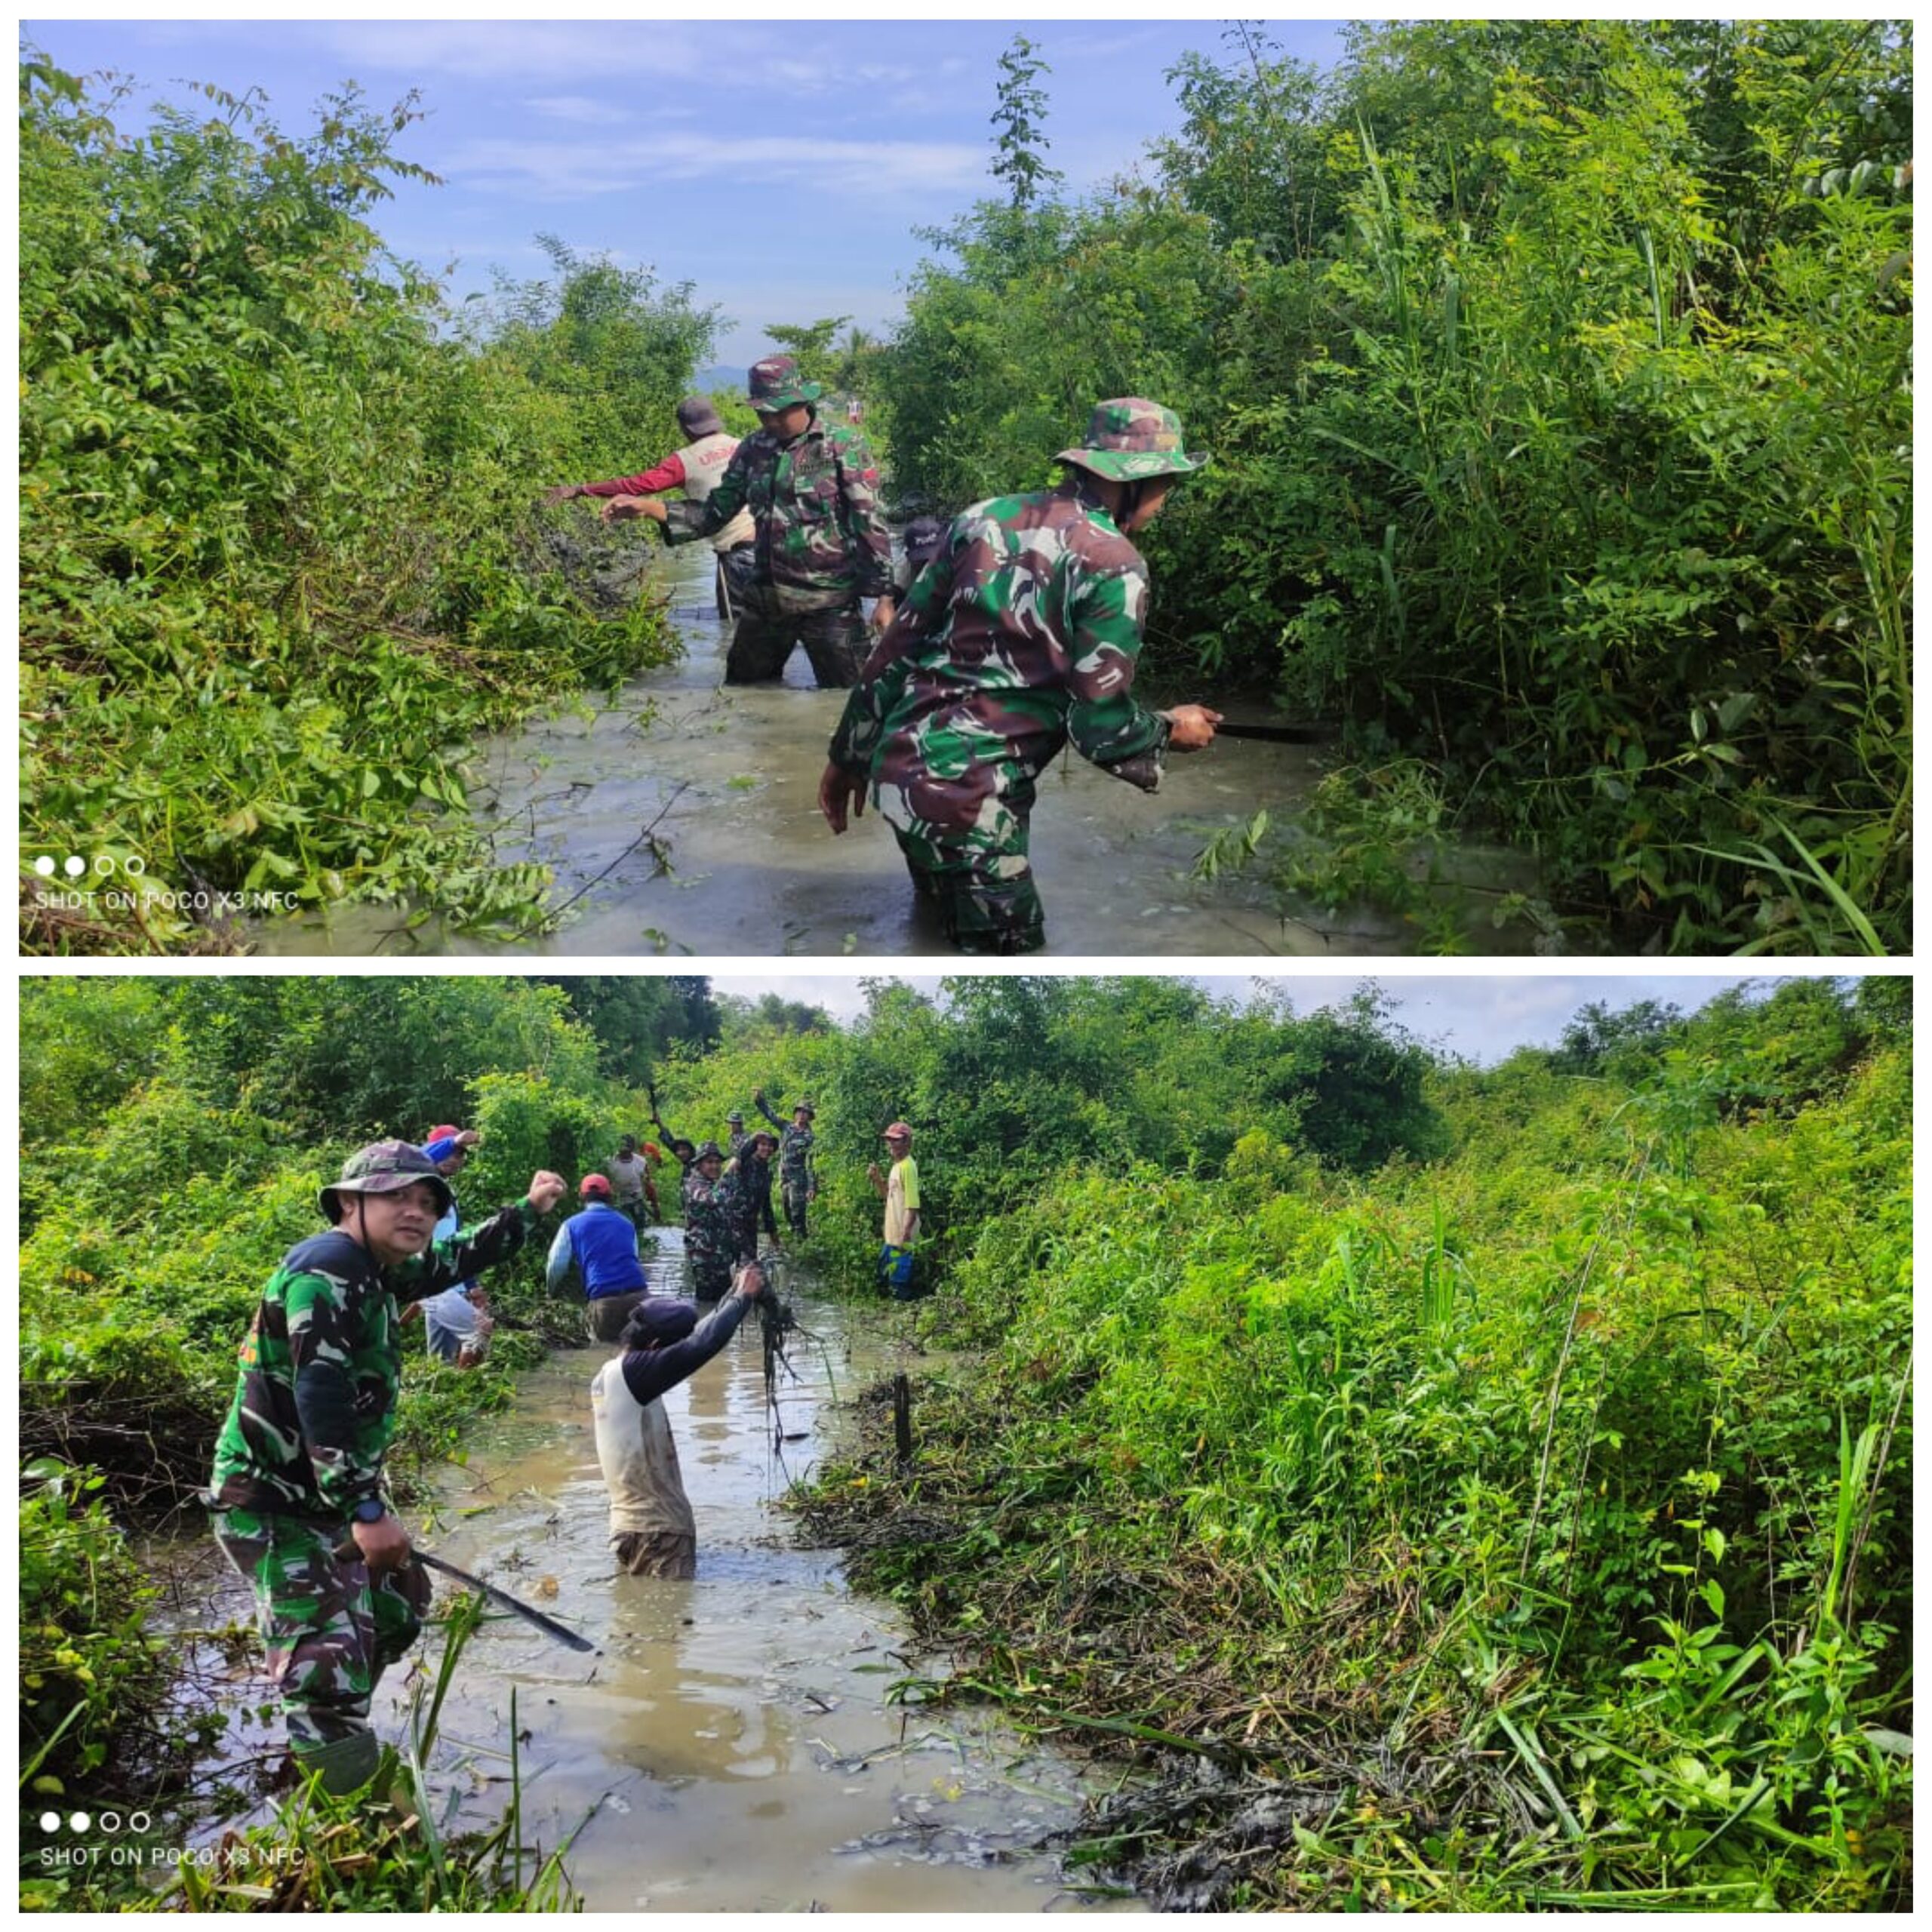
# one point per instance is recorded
(548, 1625)
(1274, 734)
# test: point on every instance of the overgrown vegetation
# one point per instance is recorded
(1493, 1486)
(1558, 379)
(1529, 1527)
(174, 1133)
(321, 1854)
(277, 560)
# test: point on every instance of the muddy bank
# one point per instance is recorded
(738, 861)
(740, 1745)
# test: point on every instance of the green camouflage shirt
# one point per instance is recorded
(1023, 631)
(795, 1149)
(821, 536)
(315, 1395)
(711, 1212)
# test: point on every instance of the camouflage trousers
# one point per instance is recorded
(711, 1276)
(836, 642)
(981, 883)
(330, 1632)
(793, 1197)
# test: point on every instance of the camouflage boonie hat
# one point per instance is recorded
(774, 385)
(1130, 439)
(385, 1167)
(706, 1150)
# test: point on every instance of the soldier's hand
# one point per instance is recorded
(838, 792)
(625, 509)
(561, 493)
(1192, 726)
(750, 1284)
(884, 611)
(384, 1543)
(547, 1189)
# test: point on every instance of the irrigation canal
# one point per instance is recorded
(738, 1746)
(728, 778)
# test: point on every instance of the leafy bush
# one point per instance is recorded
(277, 561)
(1589, 1445)
(1558, 383)
(88, 1668)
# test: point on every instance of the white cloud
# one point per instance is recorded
(522, 50)
(883, 170)
(582, 110)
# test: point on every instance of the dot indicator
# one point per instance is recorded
(103, 863)
(135, 866)
(76, 865)
(80, 1821)
(50, 1821)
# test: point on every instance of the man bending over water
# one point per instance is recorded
(652, 1528)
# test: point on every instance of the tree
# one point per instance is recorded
(1021, 144)
(1597, 1040)
(616, 345)
(811, 342)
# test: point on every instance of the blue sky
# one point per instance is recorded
(1480, 1016)
(782, 168)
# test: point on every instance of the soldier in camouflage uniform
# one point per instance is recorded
(754, 1190)
(682, 1151)
(1022, 632)
(734, 1124)
(821, 542)
(797, 1184)
(298, 1467)
(713, 1219)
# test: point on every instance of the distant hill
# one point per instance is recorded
(721, 376)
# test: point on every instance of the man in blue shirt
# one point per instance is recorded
(600, 1244)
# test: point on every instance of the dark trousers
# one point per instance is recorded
(835, 641)
(605, 1317)
(736, 575)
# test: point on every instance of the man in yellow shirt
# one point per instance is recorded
(900, 1189)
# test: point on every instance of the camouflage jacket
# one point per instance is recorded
(821, 538)
(315, 1394)
(754, 1208)
(712, 1212)
(795, 1150)
(1023, 631)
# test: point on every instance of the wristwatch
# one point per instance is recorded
(371, 1509)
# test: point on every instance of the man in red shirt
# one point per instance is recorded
(695, 469)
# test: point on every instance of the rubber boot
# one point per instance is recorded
(344, 1764)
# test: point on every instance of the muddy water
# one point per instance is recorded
(734, 1748)
(728, 778)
